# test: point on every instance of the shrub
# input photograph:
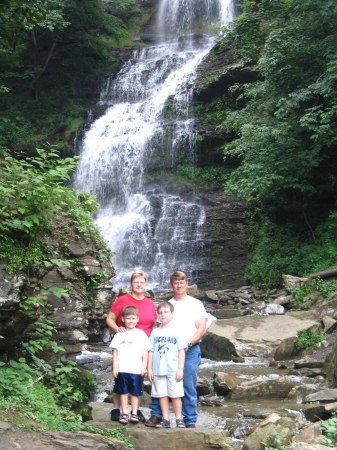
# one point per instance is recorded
(307, 339)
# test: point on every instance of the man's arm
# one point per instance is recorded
(181, 363)
(200, 331)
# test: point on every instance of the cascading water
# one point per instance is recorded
(146, 132)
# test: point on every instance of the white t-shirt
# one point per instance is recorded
(186, 313)
(130, 345)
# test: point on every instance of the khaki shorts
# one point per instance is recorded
(167, 386)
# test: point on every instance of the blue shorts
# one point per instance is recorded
(129, 383)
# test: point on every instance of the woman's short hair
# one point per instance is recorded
(138, 274)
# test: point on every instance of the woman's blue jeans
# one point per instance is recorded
(190, 399)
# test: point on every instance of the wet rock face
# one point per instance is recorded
(13, 322)
(78, 314)
(331, 367)
(225, 246)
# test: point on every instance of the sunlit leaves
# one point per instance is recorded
(31, 190)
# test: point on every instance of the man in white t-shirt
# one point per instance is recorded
(190, 317)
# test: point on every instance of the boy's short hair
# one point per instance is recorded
(165, 305)
(130, 311)
(178, 276)
(138, 274)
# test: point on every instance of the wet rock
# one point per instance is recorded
(283, 300)
(325, 395)
(320, 411)
(203, 387)
(226, 313)
(273, 431)
(13, 438)
(309, 433)
(212, 296)
(274, 309)
(262, 389)
(172, 439)
(304, 446)
(307, 372)
(329, 324)
(253, 335)
(330, 366)
(286, 349)
(291, 283)
(298, 393)
(79, 248)
(218, 348)
(224, 383)
(10, 289)
(309, 362)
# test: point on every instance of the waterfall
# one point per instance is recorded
(146, 131)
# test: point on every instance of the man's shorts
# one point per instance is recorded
(129, 383)
(167, 386)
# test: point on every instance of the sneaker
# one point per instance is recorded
(141, 416)
(165, 424)
(115, 414)
(180, 423)
(190, 425)
(153, 421)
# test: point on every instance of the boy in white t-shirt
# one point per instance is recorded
(166, 365)
(129, 361)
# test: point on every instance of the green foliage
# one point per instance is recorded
(34, 201)
(204, 174)
(279, 250)
(95, 280)
(281, 129)
(30, 400)
(31, 190)
(304, 298)
(307, 294)
(66, 44)
(281, 132)
(307, 339)
(276, 251)
(329, 429)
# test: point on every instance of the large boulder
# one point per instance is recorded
(262, 389)
(272, 432)
(145, 438)
(253, 335)
(14, 438)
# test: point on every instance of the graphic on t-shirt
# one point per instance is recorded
(162, 349)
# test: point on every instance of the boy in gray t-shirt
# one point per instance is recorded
(166, 365)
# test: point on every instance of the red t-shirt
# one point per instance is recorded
(146, 309)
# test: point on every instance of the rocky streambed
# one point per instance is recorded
(254, 385)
